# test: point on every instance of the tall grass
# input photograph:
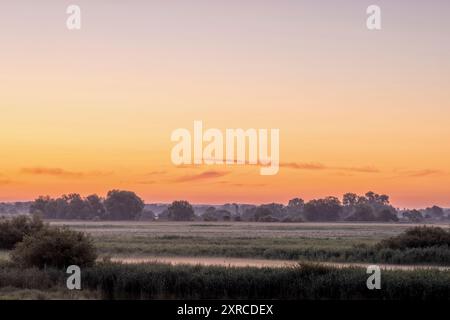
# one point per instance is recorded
(161, 281)
(283, 249)
(30, 278)
(157, 281)
(423, 245)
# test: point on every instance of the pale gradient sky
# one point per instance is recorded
(91, 110)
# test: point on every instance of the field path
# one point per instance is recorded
(243, 262)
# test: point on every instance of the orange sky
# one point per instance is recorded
(91, 110)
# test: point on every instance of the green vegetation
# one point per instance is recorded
(284, 249)
(118, 205)
(180, 211)
(12, 231)
(33, 283)
(122, 205)
(40, 245)
(301, 242)
(160, 281)
(127, 206)
(147, 281)
(54, 247)
(419, 237)
(298, 242)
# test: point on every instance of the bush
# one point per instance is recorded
(14, 230)
(418, 237)
(54, 247)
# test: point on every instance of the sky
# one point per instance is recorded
(92, 110)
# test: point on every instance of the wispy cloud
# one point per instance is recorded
(51, 172)
(146, 182)
(365, 169)
(235, 184)
(156, 173)
(189, 166)
(303, 166)
(320, 166)
(313, 166)
(202, 176)
(421, 173)
(58, 172)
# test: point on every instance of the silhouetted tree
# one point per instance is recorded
(295, 208)
(327, 209)
(262, 214)
(211, 214)
(39, 205)
(96, 207)
(350, 199)
(413, 215)
(362, 212)
(296, 203)
(387, 215)
(123, 205)
(181, 211)
(147, 215)
(434, 212)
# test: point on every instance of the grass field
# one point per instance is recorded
(162, 281)
(337, 242)
(332, 242)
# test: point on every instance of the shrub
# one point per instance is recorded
(54, 247)
(418, 237)
(14, 230)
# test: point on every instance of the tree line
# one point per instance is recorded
(118, 205)
(126, 205)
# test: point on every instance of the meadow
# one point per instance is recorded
(304, 244)
(108, 280)
(332, 242)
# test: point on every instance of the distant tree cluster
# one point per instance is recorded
(178, 211)
(370, 207)
(433, 213)
(413, 215)
(118, 205)
(213, 214)
(14, 207)
(126, 205)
